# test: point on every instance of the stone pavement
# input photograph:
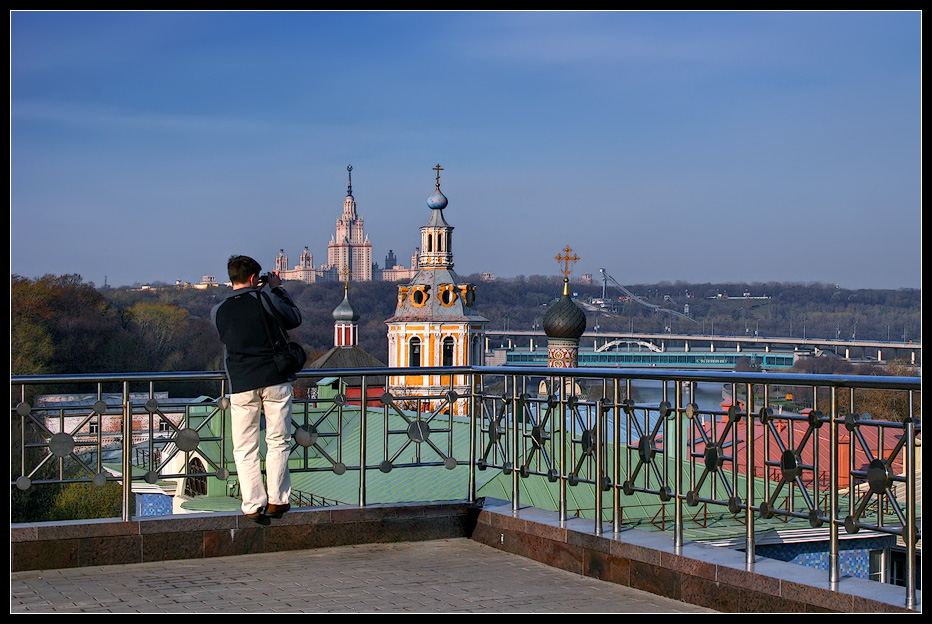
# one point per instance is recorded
(455, 575)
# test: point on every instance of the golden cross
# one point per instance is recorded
(345, 274)
(566, 258)
(438, 169)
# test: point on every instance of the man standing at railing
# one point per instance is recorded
(249, 322)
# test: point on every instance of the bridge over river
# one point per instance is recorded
(528, 347)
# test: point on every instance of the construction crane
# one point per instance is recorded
(633, 297)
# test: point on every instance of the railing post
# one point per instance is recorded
(616, 456)
(629, 386)
(678, 470)
(127, 513)
(515, 431)
(471, 495)
(223, 404)
(851, 467)
(834, 563)
(22, 431)
(749, 546)
(909, 532)
(363, 427)
(599, 465)
(563, 447)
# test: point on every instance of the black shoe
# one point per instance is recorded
(276, 511)
(259, 518)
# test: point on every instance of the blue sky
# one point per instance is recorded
(694, 146)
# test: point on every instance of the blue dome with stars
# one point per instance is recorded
(437, 200)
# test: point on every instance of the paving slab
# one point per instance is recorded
(437, 576)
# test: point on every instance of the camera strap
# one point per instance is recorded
(283, 337)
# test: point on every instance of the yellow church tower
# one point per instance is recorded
(435, 322)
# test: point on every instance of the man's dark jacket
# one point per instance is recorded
(244, 322)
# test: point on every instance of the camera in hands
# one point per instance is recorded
(263, 279)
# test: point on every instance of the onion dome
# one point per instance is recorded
(344, 311)
(565, 319)
(437, 200)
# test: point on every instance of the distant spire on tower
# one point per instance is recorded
(345, 327)
(349, 184)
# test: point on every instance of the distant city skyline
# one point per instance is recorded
(662, 146)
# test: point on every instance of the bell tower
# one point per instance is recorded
(435, 322)
(437, 235)
(345, 318)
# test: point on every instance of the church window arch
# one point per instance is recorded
(414, 352)
(196, 485)
(448, 350)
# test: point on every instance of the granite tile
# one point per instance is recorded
(655, 579)
(116, 550)
(85, 529)
(743, 579)
(819, 597)
(688, 565)
(189, 522)
(606, 567)
(45, 555)
(169, 546)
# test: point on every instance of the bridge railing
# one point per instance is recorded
(830, 464)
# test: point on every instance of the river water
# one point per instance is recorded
(649, 394)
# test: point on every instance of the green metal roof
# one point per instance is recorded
(437, 483)
(400, 484)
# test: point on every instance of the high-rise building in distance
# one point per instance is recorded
(349, 253)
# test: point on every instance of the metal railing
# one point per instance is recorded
(827, 465)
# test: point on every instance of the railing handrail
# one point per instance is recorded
(881, 382)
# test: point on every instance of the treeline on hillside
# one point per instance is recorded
(62, 325)
(772, 309)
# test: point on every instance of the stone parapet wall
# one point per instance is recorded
(700, 574)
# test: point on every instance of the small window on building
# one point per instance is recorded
(195, 485)
(414, 352)
(448, 349)
(876, 566)
(447, 296)
(898, 568)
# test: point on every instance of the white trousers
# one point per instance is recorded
(245, 411)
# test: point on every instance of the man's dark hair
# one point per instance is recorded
(241, 268)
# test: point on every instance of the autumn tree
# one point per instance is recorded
(890, 405)
(159, 328)
(61, 325)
